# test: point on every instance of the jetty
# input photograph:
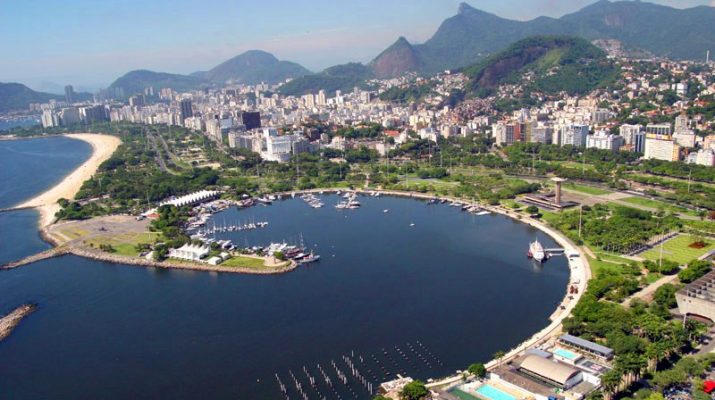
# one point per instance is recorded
(9, 322)
(50, 253)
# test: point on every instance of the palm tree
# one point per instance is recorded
(498, 356)
(609, 383)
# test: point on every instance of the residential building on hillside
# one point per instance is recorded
(661, 147)
(605, 141)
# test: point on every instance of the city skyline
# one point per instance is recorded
(108, 40)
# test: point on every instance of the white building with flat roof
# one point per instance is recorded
(605, 141)
(661, 147)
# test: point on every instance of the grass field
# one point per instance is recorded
(654, 204)
(574, 164)
(677, 250)
(125, 244)
(243, 262)
(601, 267)
(586, 189)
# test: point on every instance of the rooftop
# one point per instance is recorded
(577, 341)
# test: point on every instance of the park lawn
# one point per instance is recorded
(574, 164)
(655, 204)
(243, 262)
(586, 189)
(677, 250)
(601, 267)
(125, 244)
(613, 258)
(549, 216)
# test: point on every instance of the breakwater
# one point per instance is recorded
(9, 322)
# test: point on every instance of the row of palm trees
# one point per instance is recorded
(665, 340)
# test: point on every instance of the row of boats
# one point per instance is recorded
(349, 202)
(248, 226)
(312, 200)
(470, 208)
(298, 253)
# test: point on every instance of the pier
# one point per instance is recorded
(51, 253)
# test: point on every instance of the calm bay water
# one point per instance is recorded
(453, 287)
(19, 123)
(28, 167)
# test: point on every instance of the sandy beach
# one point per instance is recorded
(103, 146)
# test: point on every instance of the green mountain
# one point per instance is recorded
(135, 82)
(472, 35)
(553, 63)
(340, 77)
(253, 67)
(16, 96)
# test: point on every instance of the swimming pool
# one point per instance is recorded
(492, 393)
(566, 354)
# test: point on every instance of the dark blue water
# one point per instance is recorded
(454, 287)
(19, 237)
(19, 123)
(28, 167)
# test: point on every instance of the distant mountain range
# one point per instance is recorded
(462, 40)
(251, 67)
(473, 35)
(16, 96)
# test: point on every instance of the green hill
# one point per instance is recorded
(16, 96)
(253, 67)
(340, 77)
(557, 64)
(136, 81)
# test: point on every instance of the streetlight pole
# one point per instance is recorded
(583, 164)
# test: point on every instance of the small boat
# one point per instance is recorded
(412, 224)
(310, 258)
(385, 211)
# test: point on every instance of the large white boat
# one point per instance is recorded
(536, 251)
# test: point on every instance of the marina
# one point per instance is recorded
(253, 327)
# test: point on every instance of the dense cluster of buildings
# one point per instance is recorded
(251, 117)
(579, 124)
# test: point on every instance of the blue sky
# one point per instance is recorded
(89, 43)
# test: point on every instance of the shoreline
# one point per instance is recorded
(579, 268)
(9, 322)
(103, 146)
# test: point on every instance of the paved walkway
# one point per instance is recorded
(647, 292)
